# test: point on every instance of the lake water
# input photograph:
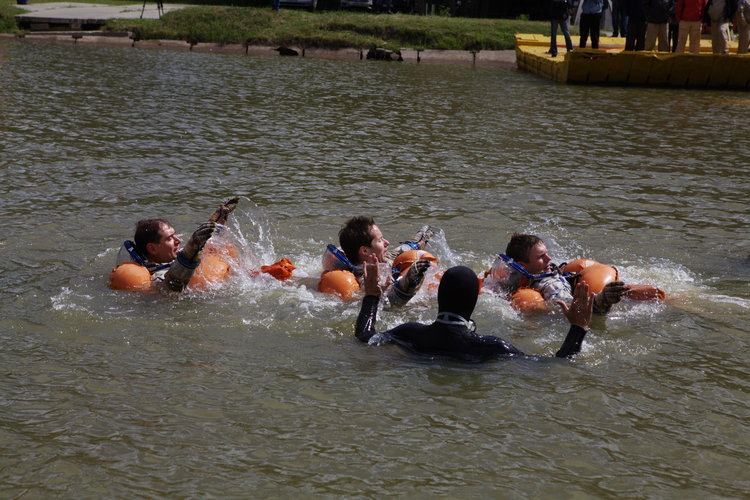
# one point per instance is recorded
(258, 388)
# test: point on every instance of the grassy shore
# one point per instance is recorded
(332, 29)
(7, 11)
(326, 29)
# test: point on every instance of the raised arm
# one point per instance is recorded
(365, 327)
(579, 316)
(224, 210)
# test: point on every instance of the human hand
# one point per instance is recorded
(371, 277)
(424, 235)
(610, 295)
(412, 280)
(579, 312)
(198, 240)
(223, 211)
(370, 258)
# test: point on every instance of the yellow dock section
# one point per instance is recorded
(610, 64)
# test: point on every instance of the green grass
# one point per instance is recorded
(332, 29)
(326, 29)
(8, 11)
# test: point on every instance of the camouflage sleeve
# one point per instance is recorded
(553, 288)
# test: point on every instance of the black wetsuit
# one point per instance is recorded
(449, 335)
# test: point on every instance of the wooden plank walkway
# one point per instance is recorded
(62, 16)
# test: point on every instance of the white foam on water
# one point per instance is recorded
(62, 300)
(726, 299)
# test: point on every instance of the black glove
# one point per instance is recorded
(224, 210)
(610, 295)
(412, 280)
(198, 240)
(424, 235)
(406, 286)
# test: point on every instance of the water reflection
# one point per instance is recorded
(259, 385)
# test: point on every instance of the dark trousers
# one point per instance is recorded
(674, 30)
(636, 38)
(619, 18)
(590, 27)
(563, 24)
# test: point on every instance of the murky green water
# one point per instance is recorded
(259, 389)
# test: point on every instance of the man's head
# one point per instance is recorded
(458, 291)
(362, 241)
(529, 251)
(156, 240)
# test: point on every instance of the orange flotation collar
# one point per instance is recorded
(130, 276)
(281, 270)
(595, 274)
(405, 259)
(342, 283)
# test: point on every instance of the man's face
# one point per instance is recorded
(538, 260)
(377, 247)
(165, 250)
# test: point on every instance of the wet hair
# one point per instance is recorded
(458, 291)
(147, 231)
(355, 233)
(519, 246)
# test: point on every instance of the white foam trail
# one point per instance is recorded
(726, 299)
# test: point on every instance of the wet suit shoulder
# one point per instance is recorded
(448, 340)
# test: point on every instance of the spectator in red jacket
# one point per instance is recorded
(689, 14)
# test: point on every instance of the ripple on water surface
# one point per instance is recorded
(259, 385)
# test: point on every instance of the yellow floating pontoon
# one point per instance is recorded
(610, 64)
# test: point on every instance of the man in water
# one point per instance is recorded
(452, 333)
(156, 246)
(363, 242)
(538, 273)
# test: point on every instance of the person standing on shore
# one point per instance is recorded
(673, 30)
(558, 14)
(619, 18)
(721, 13)
(636, 36)
(689, 13)
(743, 26)
(657, 16)
(591, 19)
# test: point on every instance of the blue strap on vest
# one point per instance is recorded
(357, 269)
(130, 247)
(342, 258)
(518, 267)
